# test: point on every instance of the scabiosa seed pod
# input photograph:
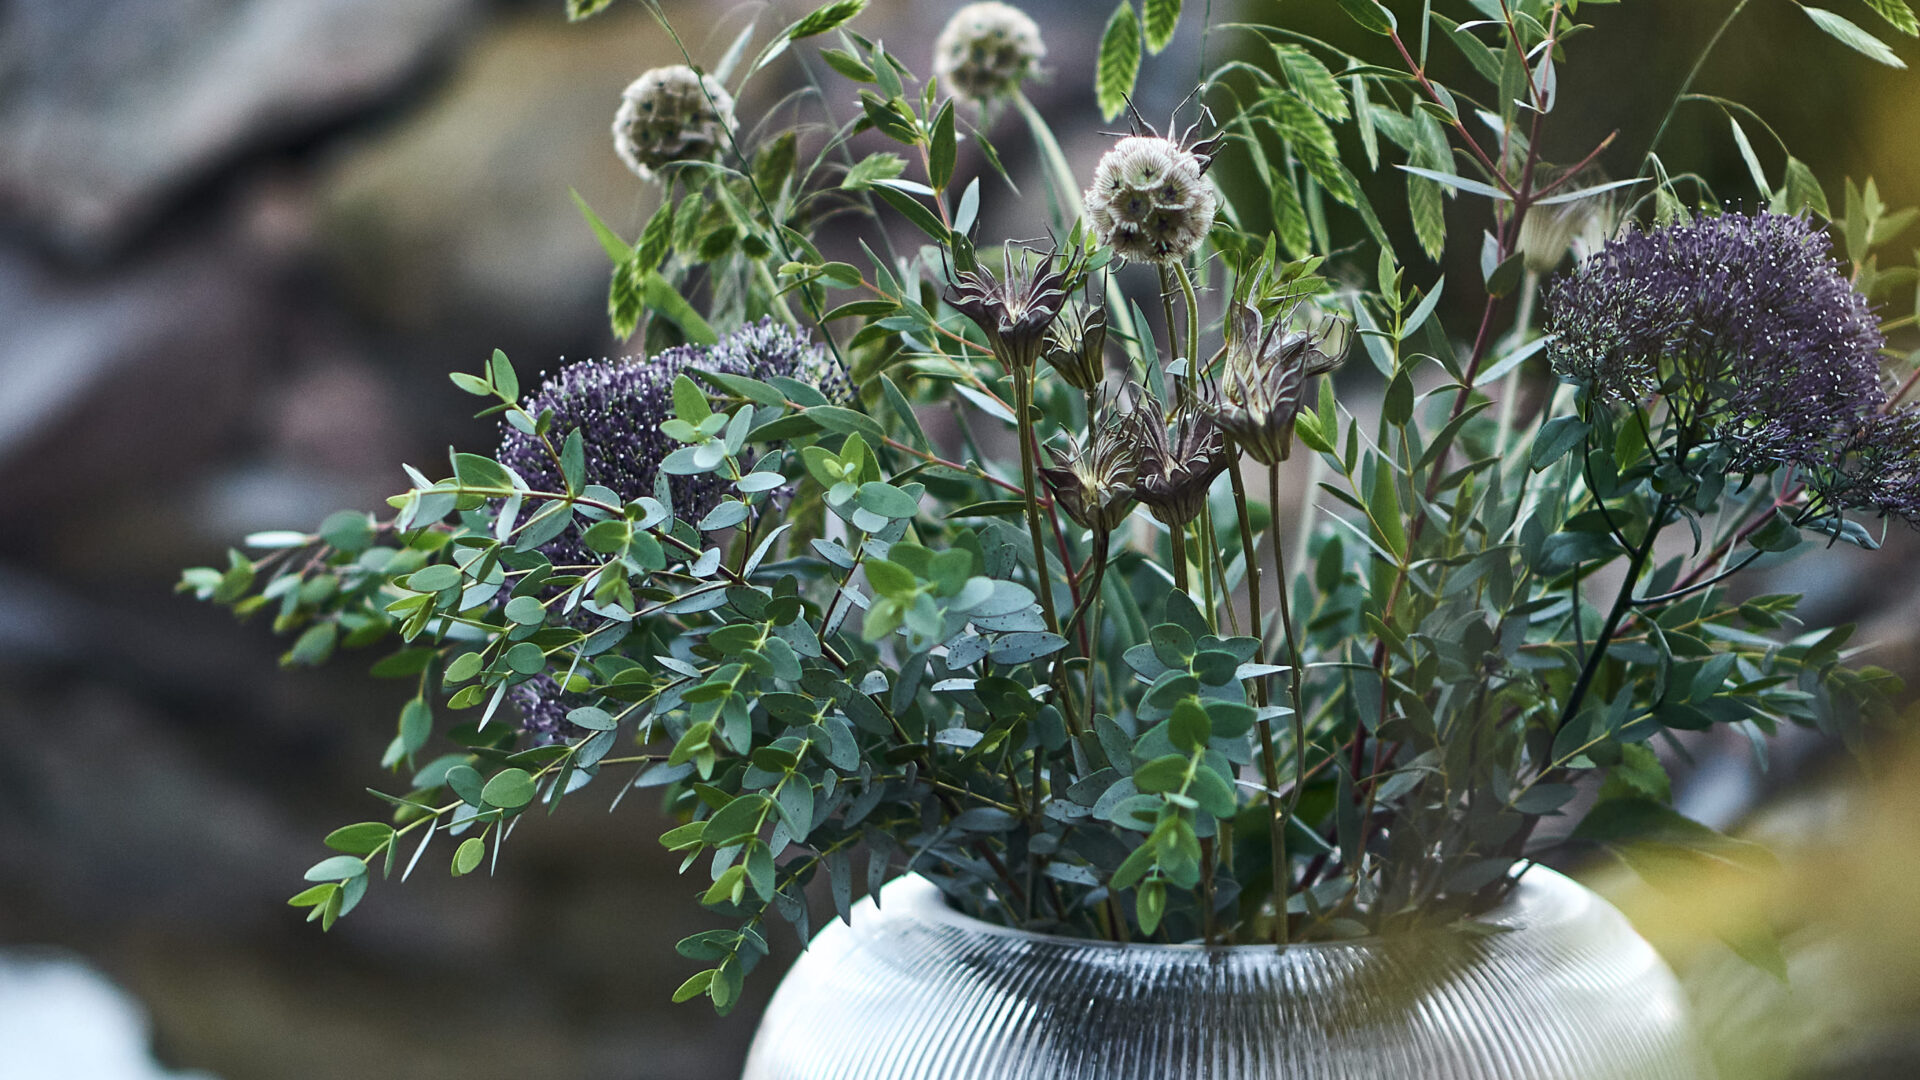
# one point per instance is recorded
(986, 51)
(670, 114)
(1075, 346)
(1151, 200)
(1742, 322)
(1267, 369)
(619, 405)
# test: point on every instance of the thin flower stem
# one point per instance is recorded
(1023, 396)
(1203, 540)
(1176, 535)
(1297, 668)
(1687, 86)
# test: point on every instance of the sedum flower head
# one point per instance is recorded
(1742, 322)
(986, 51)
(619, 405)
(670, 114)
(1179, 456)
(1267, 369)
(1016, 308)
(1151, 200)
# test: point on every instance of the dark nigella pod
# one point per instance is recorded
(1075, 346)
(1179, 455)
(1016, 308)
(1094, 482)
(1267, 368)
(1742, 322)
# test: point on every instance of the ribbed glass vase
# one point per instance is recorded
(1552, 984)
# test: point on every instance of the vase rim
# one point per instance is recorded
(1541, 897)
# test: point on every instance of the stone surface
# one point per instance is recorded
(109, 108)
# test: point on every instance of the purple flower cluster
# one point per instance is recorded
(618, 407)
(1878, 468)
(1742, 322)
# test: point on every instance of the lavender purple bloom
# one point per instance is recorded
(1877, 468)
(1743, 322)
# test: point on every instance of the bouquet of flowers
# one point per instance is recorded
(892, 549)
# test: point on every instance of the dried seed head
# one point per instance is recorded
(986, 51)
(670, 114)
(1075, 346)
(1151, 200)
(1262, 389)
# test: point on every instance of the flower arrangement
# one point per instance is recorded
(1058, 653)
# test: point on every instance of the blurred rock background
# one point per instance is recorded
(241, 243)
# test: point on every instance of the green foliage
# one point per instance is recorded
(1119, 63)
(879, 644)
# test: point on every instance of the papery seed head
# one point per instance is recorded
(986, 51)
(670, 114)
(1151, 200)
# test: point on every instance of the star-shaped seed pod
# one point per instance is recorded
(1093, 482)
(1075, 346)
(1179, 455)
(1016, 308)
(1267, 368)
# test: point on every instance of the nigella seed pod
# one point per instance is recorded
(1075, 346)
(1015, 309)
(1179, 456)
(1151, 200)
(1094, 482)
(671, 114)
(1261, 391)
(986, 51)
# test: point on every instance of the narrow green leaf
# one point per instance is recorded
(1119, 62)
(1752, 159)
(1897, 14)
(1371, 15)
(941, 150)
(1162, 17)
(1383, 505)
(1850, 35)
